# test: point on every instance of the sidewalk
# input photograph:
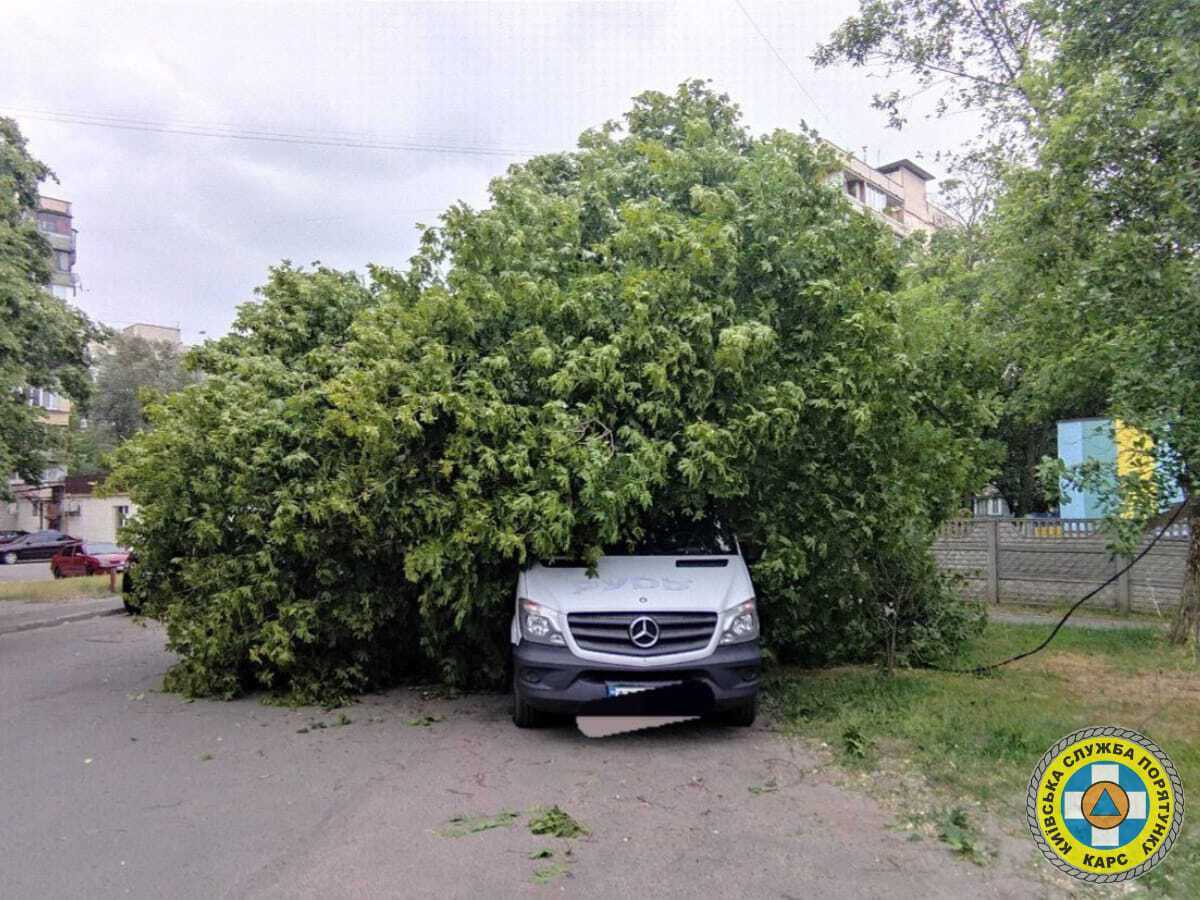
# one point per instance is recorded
(17, 616)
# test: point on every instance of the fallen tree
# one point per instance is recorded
(675, 319)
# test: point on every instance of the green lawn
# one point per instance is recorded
(62, 589)
(978, 738)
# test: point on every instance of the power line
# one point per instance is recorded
(783, 62)
(982, 669)
(271, 136)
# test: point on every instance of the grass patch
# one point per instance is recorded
(426, 720)
(977, 738)
(550, 873)
(83, 588)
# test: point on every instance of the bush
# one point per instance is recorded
(676, 319)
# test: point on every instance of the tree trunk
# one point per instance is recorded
(1187, 617)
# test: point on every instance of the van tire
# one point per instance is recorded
(524, 715)
(742, 715)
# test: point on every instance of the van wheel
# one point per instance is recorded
(10, 559)
(55, 572)
(741, 716)
(524, 715)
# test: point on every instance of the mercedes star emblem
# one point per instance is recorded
(643, 631)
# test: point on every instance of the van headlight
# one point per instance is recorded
(540, 624)
(741, 623)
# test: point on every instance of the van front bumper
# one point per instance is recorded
(554, 679)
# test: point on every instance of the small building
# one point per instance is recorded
(990, 504)
(1117, 446)
(67, 503)
(163, 334)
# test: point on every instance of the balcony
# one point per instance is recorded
(60, 241)
(52, 204)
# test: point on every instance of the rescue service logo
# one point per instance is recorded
(1105, 804)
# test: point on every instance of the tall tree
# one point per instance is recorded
(1092, 253)
(679, 318)
(43, 341)
(130, 372)
(971, 54)
(1098, 241)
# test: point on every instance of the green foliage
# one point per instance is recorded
(975, 53)
(43, 341)
(676, 319)
(556, 823)
(550, 873)
(957, 832)
(855, 744)
(461, 826)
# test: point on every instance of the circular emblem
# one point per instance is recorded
(1105, 804)
(643, 631)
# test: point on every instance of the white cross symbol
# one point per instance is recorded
(1073, 805)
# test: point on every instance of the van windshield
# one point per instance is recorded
(679, 537)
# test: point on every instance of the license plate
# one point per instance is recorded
(621, 688)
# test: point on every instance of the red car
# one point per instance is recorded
(88, 558)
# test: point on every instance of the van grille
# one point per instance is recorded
(679, 632)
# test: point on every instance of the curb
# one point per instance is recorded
(60, 620)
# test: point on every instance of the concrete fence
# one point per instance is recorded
(1052, 560)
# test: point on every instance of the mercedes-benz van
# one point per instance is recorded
(672, 609)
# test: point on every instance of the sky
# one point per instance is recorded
(178, 228)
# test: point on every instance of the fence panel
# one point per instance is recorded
(1052, 560)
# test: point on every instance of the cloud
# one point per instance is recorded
(180, 228)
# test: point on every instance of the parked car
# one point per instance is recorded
(36, 545)
(6, 536)
(676, 610)
(88, 558)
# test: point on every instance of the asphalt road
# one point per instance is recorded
(111, 789)
(34, 570)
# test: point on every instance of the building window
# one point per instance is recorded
(62, 260)
(122, 515)
(43, 398)
(875, 198)
(52, 224)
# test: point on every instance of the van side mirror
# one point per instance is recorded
(752, 553)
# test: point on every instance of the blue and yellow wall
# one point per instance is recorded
(1109, 441)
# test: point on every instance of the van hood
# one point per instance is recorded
(648, 583)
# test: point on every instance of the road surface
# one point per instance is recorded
(111, 789)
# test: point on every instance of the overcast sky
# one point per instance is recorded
(178, 228)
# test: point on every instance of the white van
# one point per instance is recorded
(676, 608)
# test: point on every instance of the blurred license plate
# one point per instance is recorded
(621, 688)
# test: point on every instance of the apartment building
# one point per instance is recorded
(55, 223)
(897, 194)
